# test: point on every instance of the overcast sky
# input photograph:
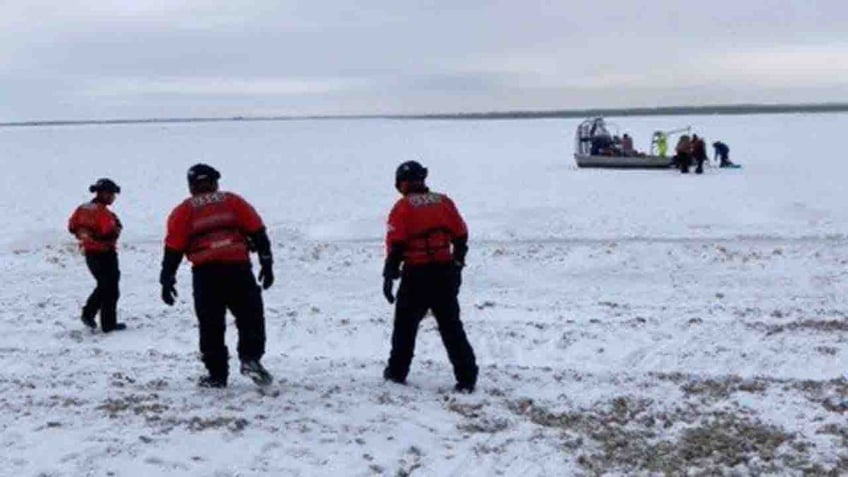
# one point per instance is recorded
(102, 59)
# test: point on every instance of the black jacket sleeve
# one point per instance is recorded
(260, 241)
(170, 262)
(391, 269)
(460, 249)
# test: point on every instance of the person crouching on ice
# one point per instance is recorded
(97, 228)
(216, 231)
(428, 236)
(722, 151)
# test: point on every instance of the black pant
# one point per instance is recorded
(430, 287)
(104, 298)
(699, 161)
(684, 161)
(217, 288)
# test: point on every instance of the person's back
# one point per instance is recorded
(427, 222)
(684, 145)
(426, 236)
(216, 231)
(213, 227)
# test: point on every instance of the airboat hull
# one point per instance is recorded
(623, 162)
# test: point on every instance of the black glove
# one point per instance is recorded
(391, 270)
(170, 263)
(169, 293)
(460, 250)
(388, 284)
(266, 272)
(259, 241)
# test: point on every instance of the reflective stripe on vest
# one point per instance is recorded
(432, 245)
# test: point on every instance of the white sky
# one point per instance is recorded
(102, 59)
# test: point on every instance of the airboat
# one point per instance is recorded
(596, 146)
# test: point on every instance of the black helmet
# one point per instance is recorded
(410, 171)
(104, 185)
(200, 172)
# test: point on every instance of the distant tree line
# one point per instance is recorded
(736, 109)
(656, 111)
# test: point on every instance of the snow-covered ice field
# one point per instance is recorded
(625, 322)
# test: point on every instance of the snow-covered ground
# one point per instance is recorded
(625, 321)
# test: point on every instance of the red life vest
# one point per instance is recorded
(425, 224)
(213, 228)
(96, 227)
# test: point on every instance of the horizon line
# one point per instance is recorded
(726, 109)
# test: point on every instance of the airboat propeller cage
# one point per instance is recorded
(589, 130)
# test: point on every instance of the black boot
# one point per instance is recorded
(210, 381)
(88, 321)
(465, 388)
(387, 375)
(255, 371)
(117, 327)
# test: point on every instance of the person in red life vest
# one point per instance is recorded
(216, 230)
(97, 228)
(684, 154)
(428, 236)
(699, 153)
